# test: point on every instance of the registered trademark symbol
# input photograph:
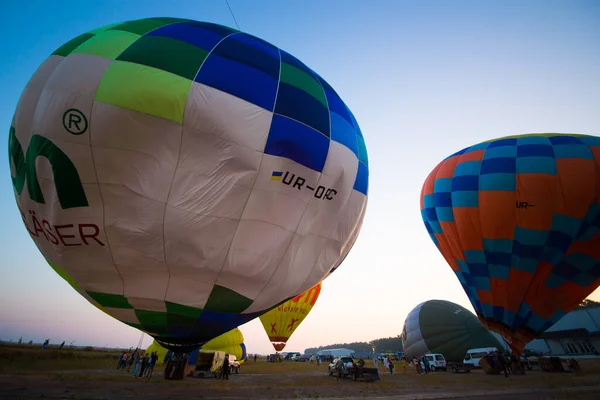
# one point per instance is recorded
(74, 121)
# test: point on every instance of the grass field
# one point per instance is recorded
(28, 372)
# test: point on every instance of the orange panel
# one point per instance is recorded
(570, 294)
(497, 214)
(447, 168)
(591, 247)
(451, 233)
(429, 182)
(499, 292)
(485, 297)
(447, 252)
(539, 192)
(476, 155)
(468, 227)
(518, 284)
(578, 182)
(538, 297)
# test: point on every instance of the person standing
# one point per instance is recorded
(403, 364)
(386, 364)
(225, 374)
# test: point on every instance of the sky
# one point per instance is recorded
(424, 79)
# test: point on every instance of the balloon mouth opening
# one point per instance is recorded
(179, 347)
(516, 339)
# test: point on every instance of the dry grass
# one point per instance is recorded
(26, 358)
(28, 368)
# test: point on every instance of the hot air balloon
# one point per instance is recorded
(185, 177)
(518, 220)
(440, 326)
(281, 322)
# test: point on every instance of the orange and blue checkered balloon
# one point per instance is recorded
(518, 220)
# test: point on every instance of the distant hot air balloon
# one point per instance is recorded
(518, 221)
(440, 326)
(185, 177)
(281, 322)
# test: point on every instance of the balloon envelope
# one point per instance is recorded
(281, 322)
(517, 219)
(439, 326)
(185, 177)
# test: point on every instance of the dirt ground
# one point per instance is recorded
(297, 380)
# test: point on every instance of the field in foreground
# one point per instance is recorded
(28, 373)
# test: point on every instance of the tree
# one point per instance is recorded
(587, 303)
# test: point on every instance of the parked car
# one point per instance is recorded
(292, 355)
(436, 361)
(348, 361)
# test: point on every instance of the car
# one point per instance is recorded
(348, 361)
(291, 356)
(436, 362)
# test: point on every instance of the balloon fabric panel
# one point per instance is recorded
(518, 220)
(197, 175)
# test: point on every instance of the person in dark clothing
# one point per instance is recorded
(144, 365)
(225, 374)
(501, 363)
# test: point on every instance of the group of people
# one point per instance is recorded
(507, 364)
(143, 364)
(388, 364)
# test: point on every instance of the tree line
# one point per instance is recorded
(383, 345)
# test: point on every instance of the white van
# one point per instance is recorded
(473, 356)
(436, 361)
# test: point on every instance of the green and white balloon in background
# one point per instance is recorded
(185, 177)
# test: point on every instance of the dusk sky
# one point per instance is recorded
(423, 79)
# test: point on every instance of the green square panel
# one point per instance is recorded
(65, 275)
(179, 322)
(170, 20)
(141, 26)
(72, 44)
(300, 79)
(110, 300)
(144, 89)
(168, 54)
(104, 28)
(152, 321)
(225, 300)
(184, 311)
(108, 44)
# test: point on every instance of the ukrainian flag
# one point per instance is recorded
(276, 175)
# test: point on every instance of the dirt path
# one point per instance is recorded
(112, 384)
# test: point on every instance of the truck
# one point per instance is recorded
(209, 364)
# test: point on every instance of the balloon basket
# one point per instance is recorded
(175, 367)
